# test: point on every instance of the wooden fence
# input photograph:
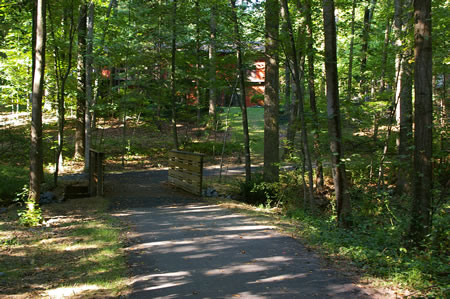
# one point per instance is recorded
(186, 171)
(96, 175)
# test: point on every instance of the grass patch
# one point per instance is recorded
(255, 126)
(77, 253)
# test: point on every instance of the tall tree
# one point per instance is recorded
(403, 93)
(89, 89)
(368, 16)
(312, 93)
(304, 134)
(423, 122)
(63, 67)
(36, 115)
(241, 74)
(172, 74)
(212, 64)
(334, 115)
(271, 97)
(81, 82)
(350, 55)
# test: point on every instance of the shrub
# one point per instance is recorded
(13, 179)
(257, 192)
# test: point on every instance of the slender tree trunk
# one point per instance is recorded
(271, 91)
(36, 116)
(237, 37)
(198, 62)
(368, 14)
(212, 65)
(403, 94)
(334, 115)
(304, 134)
(287, 91)
(81, 83)
(61, 79)
(312, 95)
(89, 93)
(423, 120)
(173, 85)
(350, 55)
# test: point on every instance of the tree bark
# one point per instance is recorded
(334, 115)
(304, 134)
(312, 95)
(89, 93)
(368, 14)
(237, 37)
(81, 83)
(212, 66)
(36, 116)
(350, 55)
(271, 91)
(403, 95)
(61, 79)
(173, 78)
(423, 119)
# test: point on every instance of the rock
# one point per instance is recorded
(229, 197)
(211, 192)
(47, 197)
(2, 273)
(3, 210)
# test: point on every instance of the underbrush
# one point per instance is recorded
(211, 148)
(12, 181)
(376, 243)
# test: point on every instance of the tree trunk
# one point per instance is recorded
(368, 14)
(403, 95)
(304, 134)
(271, 98)
(81, 83)
(173, 85)
(248, 169)
(350, 55)
(89, 69)
(212, 66)
(36, 116)
(423, 119)
(334, 115)
(312, 96)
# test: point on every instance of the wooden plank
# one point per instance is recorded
(186, 186)
(188, 156)
(193, 168)
(185, 175)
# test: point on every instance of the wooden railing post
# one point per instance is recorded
(96, 175)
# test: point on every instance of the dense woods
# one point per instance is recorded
(364, 83)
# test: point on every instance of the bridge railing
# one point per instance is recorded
(96, 172)
(186, 171)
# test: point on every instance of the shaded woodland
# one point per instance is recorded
(351, 95)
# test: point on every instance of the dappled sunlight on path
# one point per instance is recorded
(183, 247)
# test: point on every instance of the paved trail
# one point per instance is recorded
(183, 247)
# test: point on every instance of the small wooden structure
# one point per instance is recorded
(186, 171)
(96, 174)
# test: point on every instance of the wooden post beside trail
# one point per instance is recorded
(96, 174)
(186, 171)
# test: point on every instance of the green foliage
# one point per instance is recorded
(211, 147)
(31, 214)
(13, 179)
(257, 192)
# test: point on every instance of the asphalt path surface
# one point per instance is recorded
(183, 247)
